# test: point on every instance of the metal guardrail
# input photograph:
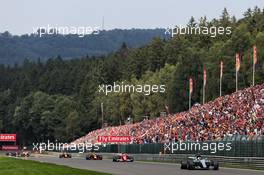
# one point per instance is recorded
(239, 148)
(247, 162)
(241, 161)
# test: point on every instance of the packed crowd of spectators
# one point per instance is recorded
(241, 113)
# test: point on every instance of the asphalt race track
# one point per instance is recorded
(139, 168)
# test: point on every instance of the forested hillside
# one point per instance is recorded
(14, 49)
(61, 96)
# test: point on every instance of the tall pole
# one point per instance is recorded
(103, 24)
(220, 86)
(204, 83)
(253, 74)
(203, 94)
(102, 110)
(236, 80)
(221, 76)
(189, 101)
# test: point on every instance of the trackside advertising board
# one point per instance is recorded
(114, 139)
(7, 137)
(10, 147)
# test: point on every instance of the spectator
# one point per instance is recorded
(239, 113)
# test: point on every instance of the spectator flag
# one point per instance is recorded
(254, 54)
(237, 69)
(204, 84)
(204, 74)
(190, 92)
(254, 62)
(191, 86)
(237, 62)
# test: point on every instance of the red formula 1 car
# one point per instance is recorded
(123, 158)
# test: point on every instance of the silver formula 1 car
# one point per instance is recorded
(199, 162)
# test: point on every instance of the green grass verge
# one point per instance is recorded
(13, 166)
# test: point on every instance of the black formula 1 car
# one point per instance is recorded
(123, 158)
(18, 154)
(65, 155)
(199, 162)
(93, 156)
(13, 154)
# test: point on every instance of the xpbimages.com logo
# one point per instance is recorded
(213, 147)
(145, 89)
(58, 146)
(211, 31)
(81, 31)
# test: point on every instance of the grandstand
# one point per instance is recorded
(240, 113)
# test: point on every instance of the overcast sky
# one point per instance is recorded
(20, 16)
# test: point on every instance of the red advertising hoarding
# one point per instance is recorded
(7, 137)
(114, 139)
(10, 147)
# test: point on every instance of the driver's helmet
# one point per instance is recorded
(198, 156)
(124, 156)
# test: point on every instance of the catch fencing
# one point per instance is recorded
(241, 146)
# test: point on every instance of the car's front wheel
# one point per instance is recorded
(190, 165)
(183, 165)
(216, 166)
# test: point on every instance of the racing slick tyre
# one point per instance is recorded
(183, 165)
(131, 159)
(114, 159)
(216, 166)
(190, 165)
